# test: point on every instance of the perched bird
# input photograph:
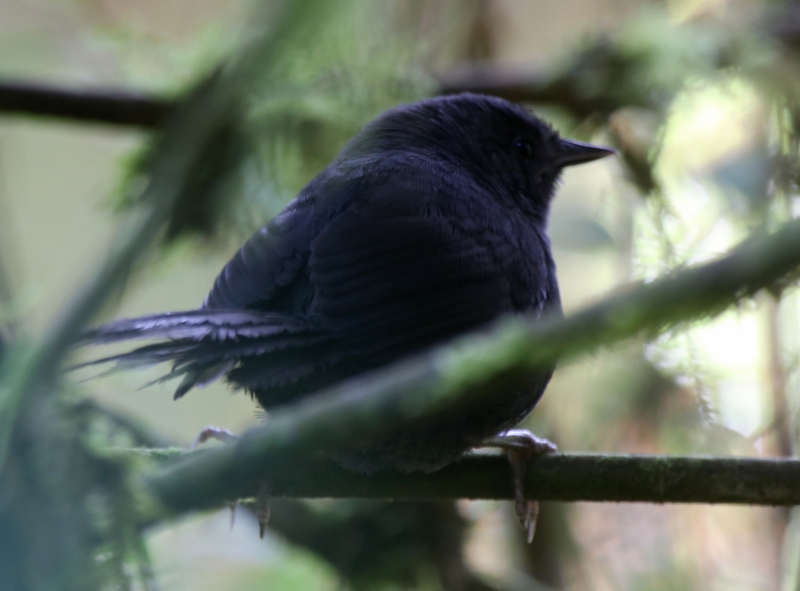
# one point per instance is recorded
(431, 222)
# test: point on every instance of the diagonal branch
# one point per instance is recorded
(371, 407)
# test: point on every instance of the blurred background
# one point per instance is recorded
(701, 99)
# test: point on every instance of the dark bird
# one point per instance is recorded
(431, 222)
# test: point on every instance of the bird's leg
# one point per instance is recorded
(213, 433)
(262, 508)
(232, 506)
(520, 446)
(220, 435)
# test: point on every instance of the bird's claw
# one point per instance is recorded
(520, 446)
(526, 511)
(211, 432)
(527, 515)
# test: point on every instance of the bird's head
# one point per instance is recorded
(501, 145)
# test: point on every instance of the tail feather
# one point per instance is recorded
(215, 325)
(203, 345)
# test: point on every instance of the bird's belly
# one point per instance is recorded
(431, 444)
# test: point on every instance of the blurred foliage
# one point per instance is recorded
(67, 519)
(312, 99)
(377, 545)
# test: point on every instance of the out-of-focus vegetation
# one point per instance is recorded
(313, 98)
(700, 97)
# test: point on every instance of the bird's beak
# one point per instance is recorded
(573, 152)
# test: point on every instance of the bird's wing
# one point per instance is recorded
(389, 282)
(264, 274)
(404, 263)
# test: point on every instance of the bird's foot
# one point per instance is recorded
(223, 435)
(520, 446)
(262, 500)
(523, 441)
(213, 433)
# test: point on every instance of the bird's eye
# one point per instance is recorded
(524, 147)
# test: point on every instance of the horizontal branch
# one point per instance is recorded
(553, 477)
(107, 106)
(128, 108)
(371, 407)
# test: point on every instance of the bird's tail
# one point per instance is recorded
(204, 344)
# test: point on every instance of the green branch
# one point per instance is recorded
(553, 477)
(371, 407)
